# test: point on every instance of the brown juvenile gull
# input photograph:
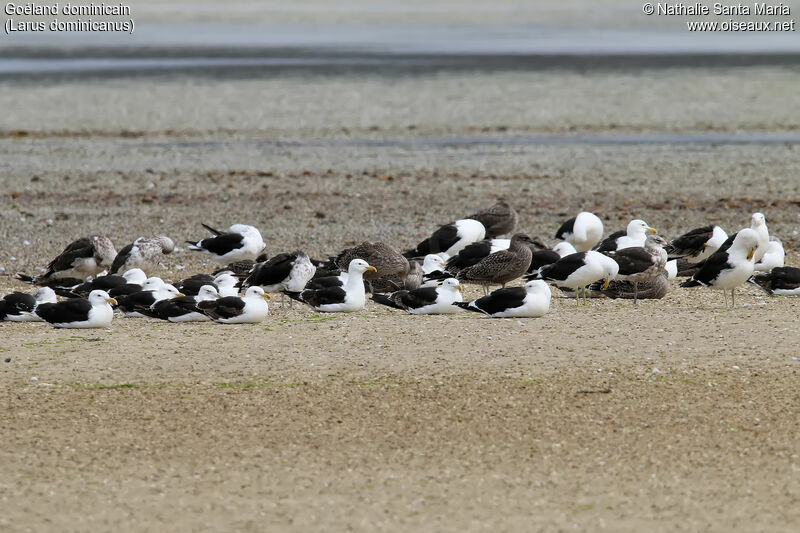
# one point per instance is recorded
(641, 263)
(499, 219)
(142, 253)
(501, 267)
(409, 281)
(87, 256)
(652, 289)
(385, 260)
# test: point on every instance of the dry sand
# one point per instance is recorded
(676, 415)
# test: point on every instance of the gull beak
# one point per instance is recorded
(180, 294)
(371, 269)
(705, 245)
(266, 296)
(459, 288)
(605, 284)
(112, 301)
(652, 230)
(751, 254)
(758, 222)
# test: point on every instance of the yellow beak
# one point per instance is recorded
(266, 296)
(751, 254)
(458, 287)
(180, 294)
(112, 301)
(371, 269)
(605, 284)
(652, 230)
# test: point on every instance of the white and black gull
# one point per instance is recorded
(425, 301)
(240, 242)
(529, 301)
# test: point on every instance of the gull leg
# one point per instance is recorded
(585, 295)
(732, 301)
(635, 293)
(282, 297)
(485, 290)
(577, 296)
(725, 294)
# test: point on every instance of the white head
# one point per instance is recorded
(135, 275)
(256, 292)
(249, 232)
(639, 227)
(451, 284)
(98, 297)
(538, 286)
(758, 219)
(152, 284)
(610, 268)
(45, 295)
(225, 280)
(564, 248)
(167, 291)
(432, 262)
(359, 266)
(207, 292)
(167, 245)
(745, 243)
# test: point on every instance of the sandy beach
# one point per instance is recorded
(674, 415)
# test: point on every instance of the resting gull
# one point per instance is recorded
(82, 258)
(697, 244)
(94, 312)
(239, 243)
(21, 307)
(283, 272)
(773, 258)
(184, 308)
(250, 309)
(500, 219)
(109, 282)
(137, 304)
(780, 281)
(532, 300)
(425, 301)
(142, 253)
(350, 296)
(727, 269)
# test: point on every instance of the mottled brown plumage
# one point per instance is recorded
(499, 219)
(386, 260)
(501, 267)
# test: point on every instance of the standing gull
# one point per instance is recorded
(727, 269)
(582, 231)
(239, 243)
(450, 238)
(530, 301)
(501, 267)
(577, 271)
(635, 235)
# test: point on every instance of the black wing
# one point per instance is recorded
(326, 296)
(72, 310)
(124, 290)
(120, 259)
(222, 244)
(81, 248)
(387, 300)
(442, 239)
(103, 283)
(227, 307)
(561, 269)
(191, 286)
(324, 283)
(272, 272)
(609, 244)
(501, 300)
(780, 278)
(418, 297)
(19, 302)
(566, 227)
(632, 260)
(174, 307)
(690, 243)
(136, 301)
(542, 258)
(470, 255)
(711, 268)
